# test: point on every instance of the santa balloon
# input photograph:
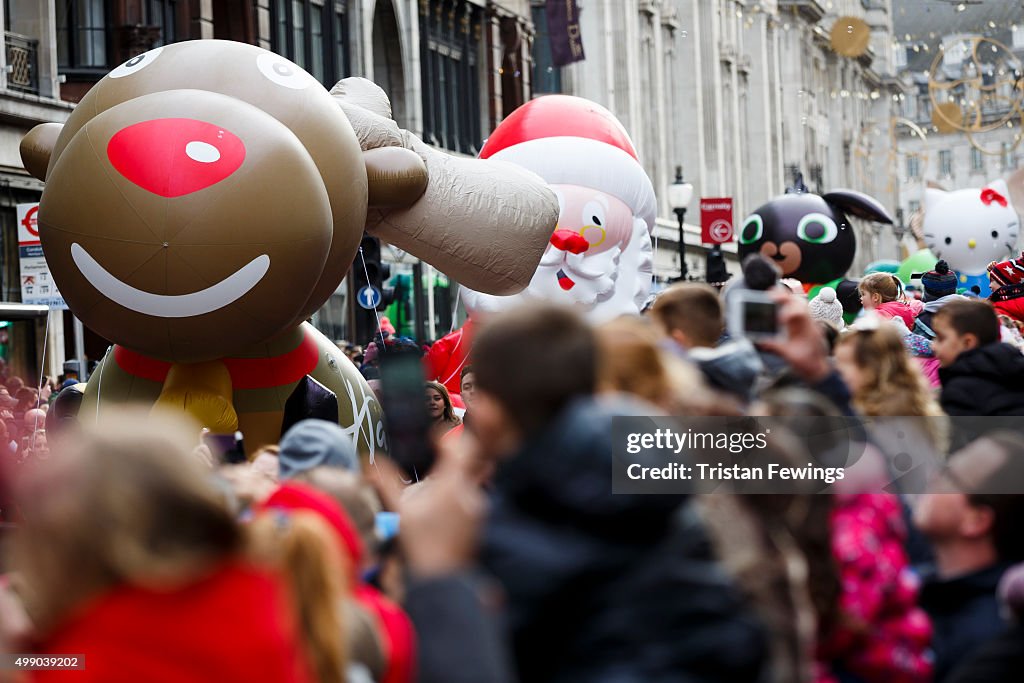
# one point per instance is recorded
(599, 258)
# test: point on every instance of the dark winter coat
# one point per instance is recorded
(988, 380)
(1000, 660)
(964, 613)
(732, 367)
(606, 588)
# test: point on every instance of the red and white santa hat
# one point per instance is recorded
(568, 140)
(1009, 272)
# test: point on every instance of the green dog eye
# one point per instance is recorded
(817, 228)
(752, 231)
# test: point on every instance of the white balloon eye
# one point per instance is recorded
(203, 152)
(136, 63)
(283, 72)
(817, 228)
(593, 223)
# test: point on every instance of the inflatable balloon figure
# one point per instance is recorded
(599, 258)
(810, 237)
(206, 197)
(971, 228)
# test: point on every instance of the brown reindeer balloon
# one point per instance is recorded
(206, 197)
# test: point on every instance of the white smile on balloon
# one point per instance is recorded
(228, 290)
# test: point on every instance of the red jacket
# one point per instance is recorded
(235, 626)
(1009, 301)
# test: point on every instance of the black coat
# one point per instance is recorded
(988, 380)
(606, 588)
(1000, 660)
(964, 613)
(456, 639)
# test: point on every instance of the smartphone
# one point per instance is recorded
(754, 315)
(227, 448)
(405, 412)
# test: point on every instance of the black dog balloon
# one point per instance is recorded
(809, 237)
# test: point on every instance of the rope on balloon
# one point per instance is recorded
(42, 367)
(376, 313)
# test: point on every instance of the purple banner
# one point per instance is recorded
(564, 32)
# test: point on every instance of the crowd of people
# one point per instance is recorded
(25, 412)
(511, 559)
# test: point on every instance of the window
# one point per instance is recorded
(945, 163)
(164, 15)
(977, 160)
(81, 34)
(914, 206)
(547, 78)
(1009, 158)
(1018, 36)
(450, 33)
(913, 166)
(924, 108)
(312, 33)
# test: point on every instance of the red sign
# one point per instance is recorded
(716, 220)
(31, 221)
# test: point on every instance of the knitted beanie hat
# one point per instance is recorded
(939, 282)
(827, 307)
(1007, 272)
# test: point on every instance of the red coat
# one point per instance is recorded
(1009, 301)
(235, 626)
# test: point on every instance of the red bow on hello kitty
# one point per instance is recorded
(988, 195)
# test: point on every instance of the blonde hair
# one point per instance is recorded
(886, 285)
(893, 384)
(302, 547)
(122, 502)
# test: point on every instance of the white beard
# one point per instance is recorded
(594, 276)
(615, 285)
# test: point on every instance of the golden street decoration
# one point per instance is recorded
(850, 36)
(975, 87)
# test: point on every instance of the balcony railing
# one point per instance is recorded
(811, 10)
(22, 64)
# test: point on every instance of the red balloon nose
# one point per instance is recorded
(569, 241)
(175, 157)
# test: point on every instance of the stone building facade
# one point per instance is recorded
(740, 94)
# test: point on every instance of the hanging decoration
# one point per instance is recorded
(975, 87)
(850, 37)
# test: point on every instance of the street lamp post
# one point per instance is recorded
(680, 193)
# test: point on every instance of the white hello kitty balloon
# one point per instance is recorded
(970, 229)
